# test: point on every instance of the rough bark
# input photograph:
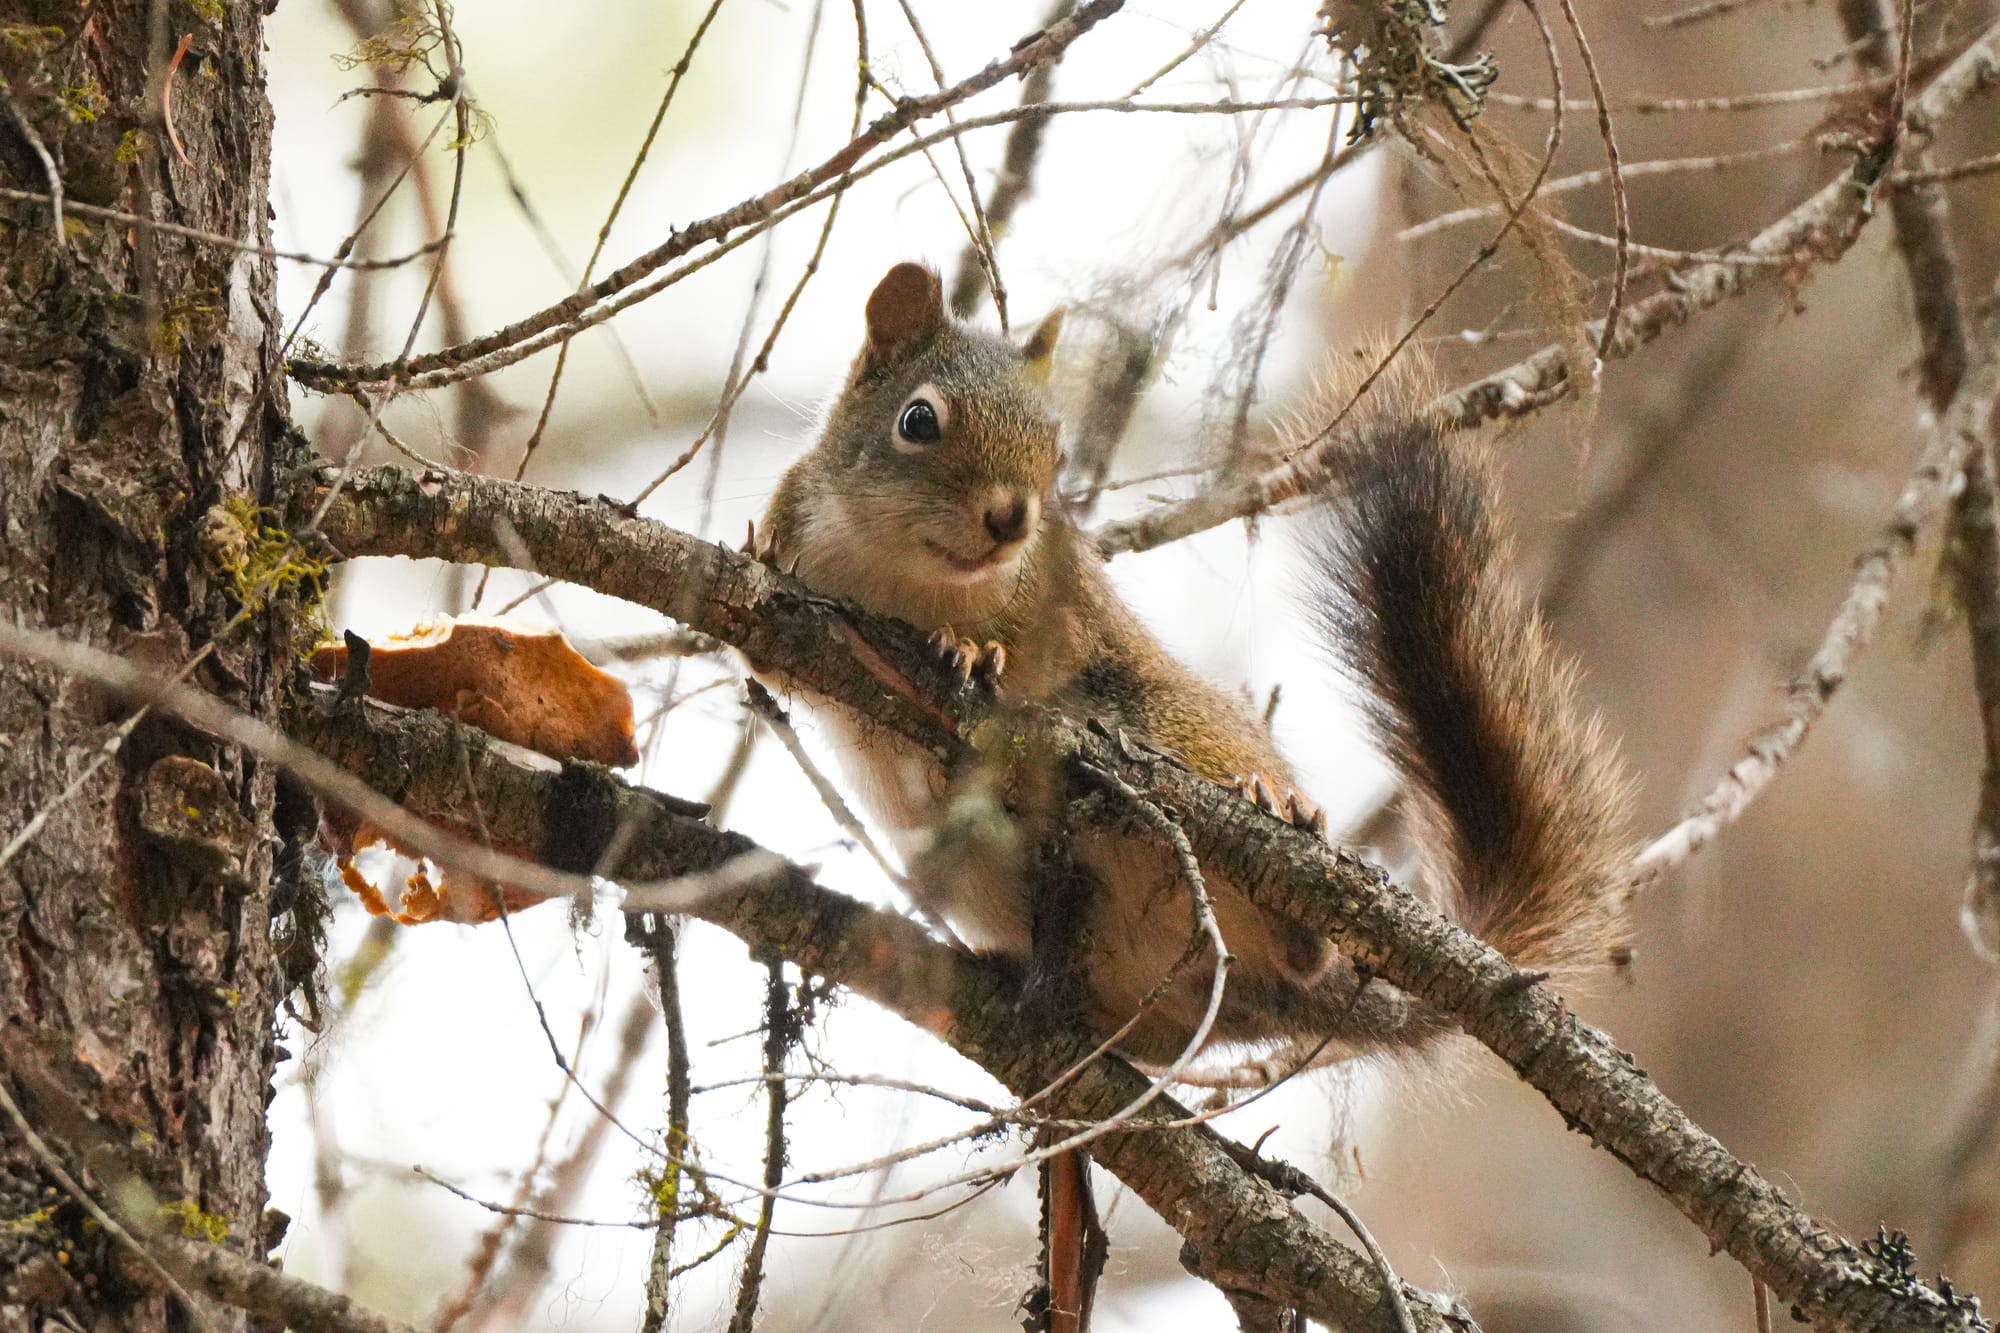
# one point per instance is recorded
(140, 388)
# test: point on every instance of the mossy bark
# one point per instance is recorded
(140, 386)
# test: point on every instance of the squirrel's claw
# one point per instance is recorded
(1304, 814)
(1260, 792)
(1293, 808)
(971, 660)
(765, 550)
(961, 655)
(992, 662)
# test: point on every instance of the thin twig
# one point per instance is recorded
(167, 100)
(781, 1030)
(1957, 171)
(1708, 9)
(674, 78)
(981, 231)
(54, 198)
(517, 190)
(498, 350)
(1390, 1282)
(1653, 106)
(479, 1266)
(532, 1257)
(1045, 45)
(1659, 254)
(1621, 214)
(1010, 184)
(1516, 209)
(1819, 230)
(737, 381)
(1632, 171)
(1247, 363)
(1195, 47)
(210, 237)
(767, 710)
(660, 939)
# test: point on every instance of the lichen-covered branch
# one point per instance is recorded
(883, 669)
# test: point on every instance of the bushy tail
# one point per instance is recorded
(1521, 805)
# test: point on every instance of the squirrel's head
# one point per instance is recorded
(943, 445)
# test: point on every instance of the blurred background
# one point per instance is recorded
(1803, 988)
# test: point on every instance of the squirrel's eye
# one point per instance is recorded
(919, 423)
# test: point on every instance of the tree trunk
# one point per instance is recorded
(142, 425)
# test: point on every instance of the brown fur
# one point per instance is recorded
(872, 517)
(1520, 799)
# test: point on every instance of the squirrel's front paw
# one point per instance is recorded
(1293, 808)
(971, 660)
(765, 550)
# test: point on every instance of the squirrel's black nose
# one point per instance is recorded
(1007, 519)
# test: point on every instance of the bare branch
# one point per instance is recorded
(1819, 231)
(1633, 171)
(1042, 46)
(216, 239)
(1655, 106)
(1966, 428)
(538, 333)
(1017, 171)
(661, 939)
(883, 670)
(1708, 9)
(1188, 1174)
(780, 1033)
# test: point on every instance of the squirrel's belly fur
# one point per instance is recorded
(930, 497)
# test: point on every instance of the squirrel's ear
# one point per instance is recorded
(1040, 349)
(905, 310)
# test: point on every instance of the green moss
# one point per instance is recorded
(411, 40)
(195, 1224)
(32, 39)
(82, 102)
(210, 11)
(40, 1223)
(255, 558)
(132, 146)
(662, 1187)
(196, 314)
